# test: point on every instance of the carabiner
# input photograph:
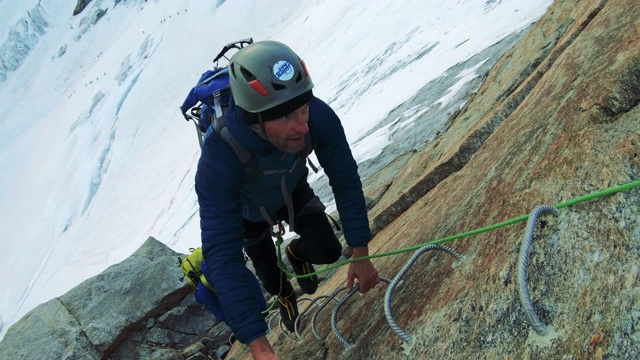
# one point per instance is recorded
(277, 229)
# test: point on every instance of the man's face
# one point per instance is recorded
(287, 133)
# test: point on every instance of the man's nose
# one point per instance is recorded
(301, 123)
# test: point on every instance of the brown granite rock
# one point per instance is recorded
(556, 118)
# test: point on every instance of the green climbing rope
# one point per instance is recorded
(595, 195)
(281, 265)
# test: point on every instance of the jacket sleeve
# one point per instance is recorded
(334, 154)
(218, 179)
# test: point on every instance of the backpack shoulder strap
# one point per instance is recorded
(308, 145)
(243, 154)
(217, 104)
(306, 151)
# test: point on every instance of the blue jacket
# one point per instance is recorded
(224, 200)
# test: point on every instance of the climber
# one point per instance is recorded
(275, 116)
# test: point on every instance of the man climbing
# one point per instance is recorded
(274, 115)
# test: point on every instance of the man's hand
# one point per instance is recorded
(262, 350)
(362, 270)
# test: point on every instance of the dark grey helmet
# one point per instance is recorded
(266, 75)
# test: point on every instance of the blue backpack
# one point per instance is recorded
(209, 101)
(209, 98)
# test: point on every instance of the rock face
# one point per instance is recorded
(556, 118)
(137, 309)
(80, 6)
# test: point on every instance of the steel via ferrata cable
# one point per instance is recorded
(334, 315)
(396, 280)
(523, 261)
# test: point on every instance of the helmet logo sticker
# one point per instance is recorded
(283, 70)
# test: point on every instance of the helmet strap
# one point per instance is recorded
(261, 123)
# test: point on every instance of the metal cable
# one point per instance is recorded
(315, 315)
(301, 314)
(523, 261)
(522, 265)
(269, 318)
(387, 301)
(334, 315)
(396, 280)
